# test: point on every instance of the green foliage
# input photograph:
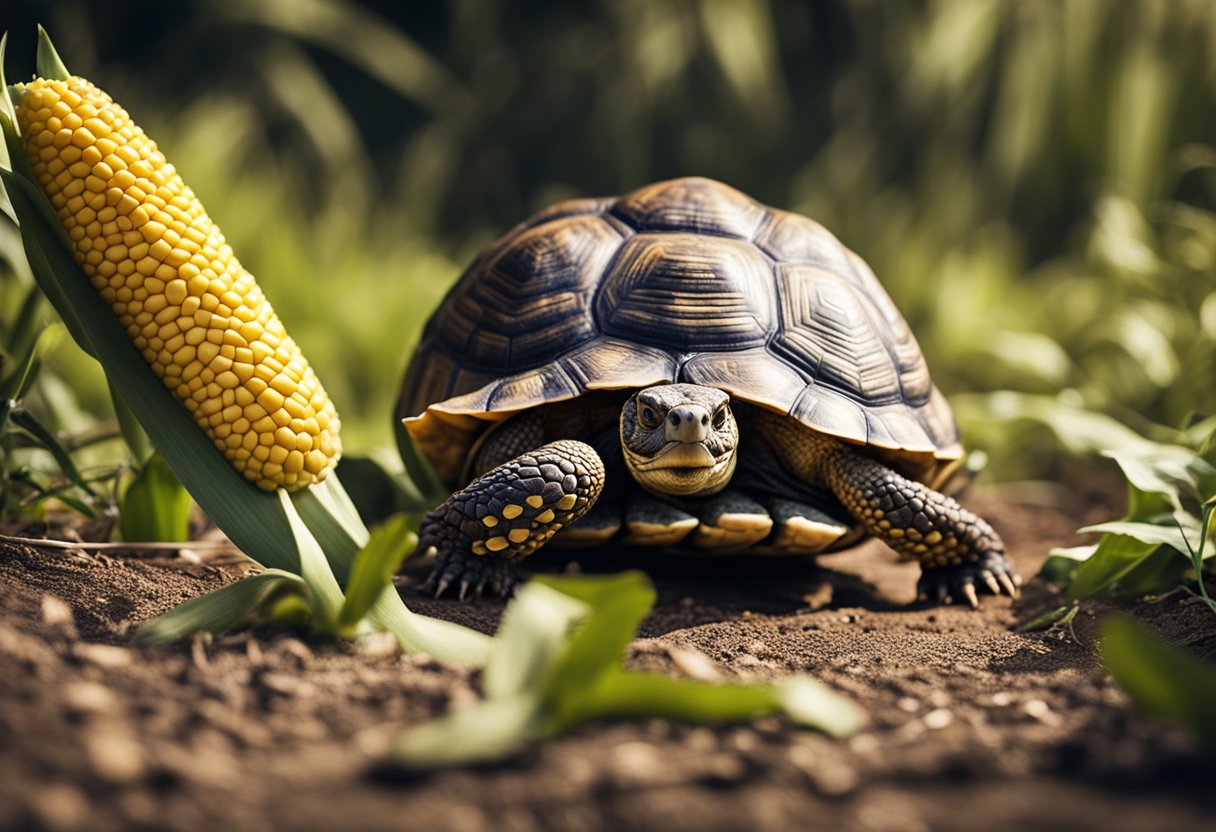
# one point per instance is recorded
(1034, 182)
(308, 598)
(1166, 531)
(155, 506)
(1161, 679)
(556, 663)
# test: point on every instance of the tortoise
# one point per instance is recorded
(683, 367)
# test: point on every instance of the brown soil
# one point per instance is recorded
(971, 724)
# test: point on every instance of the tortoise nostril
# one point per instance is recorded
(675, 420)
(705, 420)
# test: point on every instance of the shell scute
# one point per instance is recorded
(693, 204)
(688, 292)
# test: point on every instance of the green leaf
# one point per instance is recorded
(1062, 562)
(219, 611)
(618, 605)
(324, 595)
(1161, 679)
(374, 567)
(492, 730)
(418, 470)
(155, 506)
(627, 694)
(641, 695)
(50, 442)
(1123, 566)
(1161, 469)
(48, 62)
(1155, 533)
(534, 632)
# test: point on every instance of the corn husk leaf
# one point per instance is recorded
(220, 611)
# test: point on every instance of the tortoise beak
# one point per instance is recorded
(679, 455)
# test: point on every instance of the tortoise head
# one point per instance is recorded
(680, 439)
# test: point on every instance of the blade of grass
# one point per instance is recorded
(374, 567)
(534, 633)
(219, 611)
(50, 442)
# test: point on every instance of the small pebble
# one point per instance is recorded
(56, 613)
(90, 698)
(379, 646)
(908, 705)
(115, 754)
(102, 655)
(1001, 699)
(938, 719)
(694, 664)
(287, 684)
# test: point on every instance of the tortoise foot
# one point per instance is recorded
(960, 583)
(730, 522)
(798, 527)
(471, 575)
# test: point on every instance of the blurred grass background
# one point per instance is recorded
(1033, 180)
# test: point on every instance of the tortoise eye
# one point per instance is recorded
(720, 417)
(648, 417)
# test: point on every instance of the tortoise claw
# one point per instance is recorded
(990, 581)
(948, 584)
(1010, 584)
(969, 594)
(471, 575)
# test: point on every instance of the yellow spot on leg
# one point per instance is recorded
(566, 503)
(490, 520)
(497, 544)
(933, 537)
(536, 501)
(518, 535)
(545, 516)
(479, 548)
(512, 511)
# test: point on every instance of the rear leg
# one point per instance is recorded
(507, 514)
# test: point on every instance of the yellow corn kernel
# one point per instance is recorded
(166, 272)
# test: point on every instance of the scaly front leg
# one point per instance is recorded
(481, 531)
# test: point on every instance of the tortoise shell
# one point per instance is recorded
(681, 281)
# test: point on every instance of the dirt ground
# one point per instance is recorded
(972, 725)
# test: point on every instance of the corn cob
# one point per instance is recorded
(198, 318)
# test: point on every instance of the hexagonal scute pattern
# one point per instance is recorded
(688, 292)
(533, 299)
(693, 204)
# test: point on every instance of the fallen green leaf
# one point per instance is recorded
(1161, 679)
